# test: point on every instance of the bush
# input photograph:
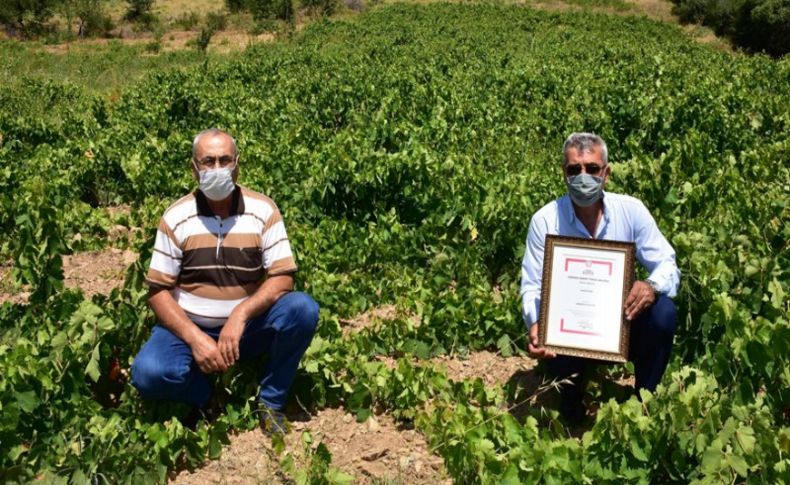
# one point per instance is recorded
(139, 9)
(236, 6)
(692, 11)
(93, 21)
(216, 21)
(153, 47)
(755, 25)
(204, 38)
(186, 21)
(323, 7)
(265, 10)
(765, 27)
(271, 9)
(28, 18)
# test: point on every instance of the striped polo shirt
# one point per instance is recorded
(212, 264)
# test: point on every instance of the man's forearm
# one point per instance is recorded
(172, 316)
(265, 296)
(667, 276)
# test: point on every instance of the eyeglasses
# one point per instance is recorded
(211, 162)
(589, 168)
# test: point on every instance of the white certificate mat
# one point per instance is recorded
(585, 285)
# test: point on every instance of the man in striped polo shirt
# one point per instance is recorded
(221, 281)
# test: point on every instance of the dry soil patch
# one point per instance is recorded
(92, 271)
(375, 451)
(373, 317)
(489, 366)
(7, 291)
(97, 271)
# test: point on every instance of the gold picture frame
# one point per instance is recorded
(587, 269)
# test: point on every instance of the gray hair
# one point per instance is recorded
(585, 142)
(212, 132)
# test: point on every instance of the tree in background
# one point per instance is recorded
(92, 19)
(26, 18)
(271, 9)
(755, 25)
(323, 7)
(764, 26)
(139, 10)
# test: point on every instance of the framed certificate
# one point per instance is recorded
(583, 292)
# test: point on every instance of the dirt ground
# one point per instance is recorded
(375, 451)
(97, 271)
(92, 271)
(374, 316)
(491, 367)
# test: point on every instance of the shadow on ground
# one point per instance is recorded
(532, 392)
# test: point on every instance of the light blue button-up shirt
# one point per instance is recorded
(625, 218)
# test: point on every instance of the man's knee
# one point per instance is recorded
(663, 316)
(302, 312)
(156, 381)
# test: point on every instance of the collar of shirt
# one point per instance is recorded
(236, 205)
(570, 214)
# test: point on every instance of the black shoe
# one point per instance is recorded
(196, 414)
(273, 422)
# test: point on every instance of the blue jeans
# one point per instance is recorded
(165, 369)
(650, 346)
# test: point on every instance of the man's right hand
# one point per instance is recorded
(206, 353)
(535, 350)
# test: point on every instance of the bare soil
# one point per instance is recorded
(7, 291)
(92, 271)
(97, 271)
(491, 367)
(375, 451)
(375, 316)
(369, 318)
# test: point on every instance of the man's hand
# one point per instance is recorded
(639, 299)
(206, 354)
(230, 336)
(535, 350)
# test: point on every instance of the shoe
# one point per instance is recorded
(273, 422)
(191, 420)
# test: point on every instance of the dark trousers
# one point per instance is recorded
(649, 349)
(164, 369)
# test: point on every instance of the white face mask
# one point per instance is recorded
(217, 184)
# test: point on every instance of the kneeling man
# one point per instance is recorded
(589, 212)
(221, 281)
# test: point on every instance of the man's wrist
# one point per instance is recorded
(242, 311)
(654, 286)
(193, 335)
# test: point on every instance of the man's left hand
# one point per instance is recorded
(230, 337)
(639, 299)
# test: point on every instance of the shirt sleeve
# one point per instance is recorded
(166, 259)
(655, 253)
(277, 256)
(532, 272)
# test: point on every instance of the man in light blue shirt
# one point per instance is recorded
(587, 211)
